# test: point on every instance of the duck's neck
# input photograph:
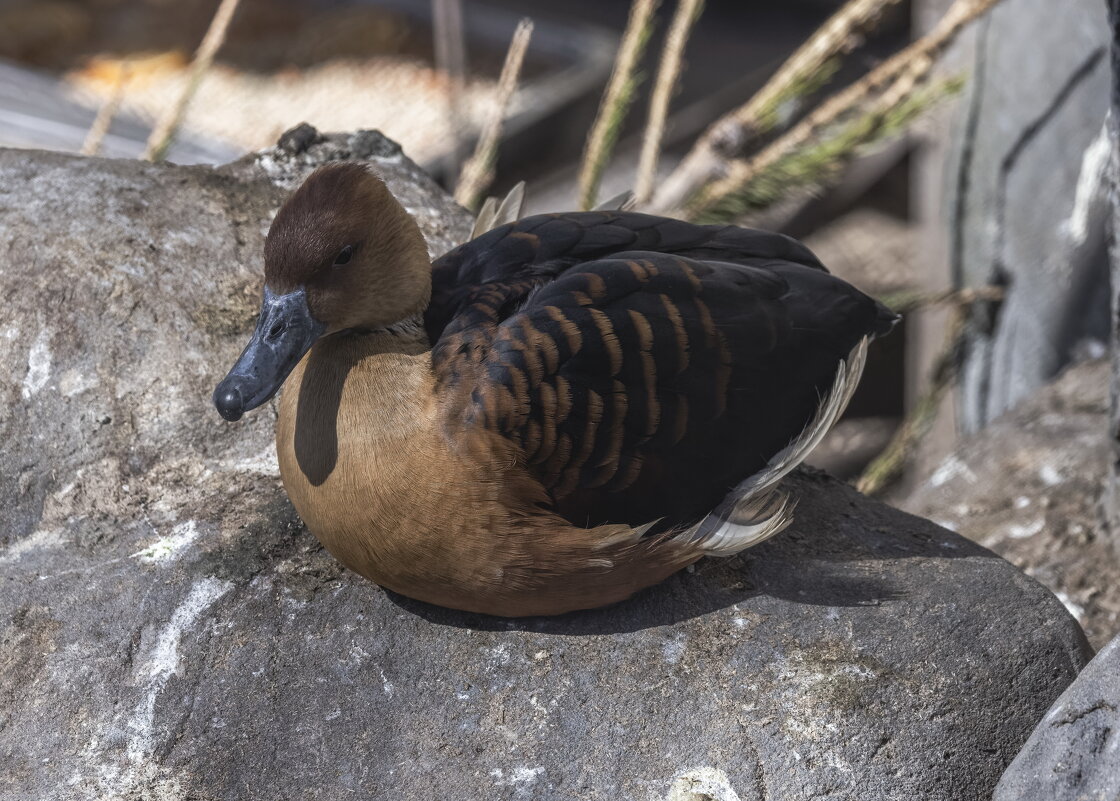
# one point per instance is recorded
(353, 388)
(407, 336)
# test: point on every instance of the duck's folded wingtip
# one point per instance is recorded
(885, 320)
(755, 511)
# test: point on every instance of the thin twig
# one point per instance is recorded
(892, 80)
(888, 465)
(164, 132)
(96, 135)
(905, 302)
(668, 71)
(616, 100)
(731, 134)
(478, 171)
(773, 196)
(451, 60)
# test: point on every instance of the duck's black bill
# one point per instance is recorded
(285, 331)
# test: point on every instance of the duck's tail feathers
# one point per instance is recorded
(742, 524)
(754, 511)
(494, 213)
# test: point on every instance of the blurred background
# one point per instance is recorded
(346, 64)
(967, 187)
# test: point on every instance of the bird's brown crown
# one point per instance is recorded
(344, 238)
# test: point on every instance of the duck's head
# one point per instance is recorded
(341, 255)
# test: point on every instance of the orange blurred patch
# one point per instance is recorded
(141, 69)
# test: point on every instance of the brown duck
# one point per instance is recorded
(552, 416)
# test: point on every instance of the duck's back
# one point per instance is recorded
(536, 249)
(643, 366)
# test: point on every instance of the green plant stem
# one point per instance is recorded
(884, 87)
(616, 101)
(809, 68)
(478, 171)
(163, 134)
(888, 465)
(668, 71)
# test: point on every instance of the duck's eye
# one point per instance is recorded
(343, 256)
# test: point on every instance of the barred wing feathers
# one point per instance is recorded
(643, 385)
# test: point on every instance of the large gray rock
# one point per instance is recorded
(1111, 505)
(1074, 754)
(168, 630)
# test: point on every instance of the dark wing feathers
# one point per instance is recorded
(536, 249)
(639, 384)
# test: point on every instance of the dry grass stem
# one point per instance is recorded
(164, 132)
(668, 71)
(905, 302)
(451, 59)
(96, 135)
(889, 83)
(616, 100)
(478, 171)
(888, 465)
(733, 132)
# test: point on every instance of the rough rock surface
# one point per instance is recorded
(168, 630)
(1027, 195)
(1074, 754)
(1029, 487)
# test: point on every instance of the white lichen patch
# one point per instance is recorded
(356, 656)
(38, 540)
(497, 655)
(819, 690)
(1049, 475)
(74, 382)
(167, 549)
(263, 463)
(38, 365)
(672, 650)
(516, 776)
(164, 659)
(1018, 531)
(386, 685)
(1090, 181)
(949, 469)
(129, 268)
(139, 775)
(702, 784)
(162, 663)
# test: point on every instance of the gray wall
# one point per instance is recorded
(1024, 195)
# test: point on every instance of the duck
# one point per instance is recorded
(564, 410)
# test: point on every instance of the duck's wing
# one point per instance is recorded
(647, 385)
(518, 257)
